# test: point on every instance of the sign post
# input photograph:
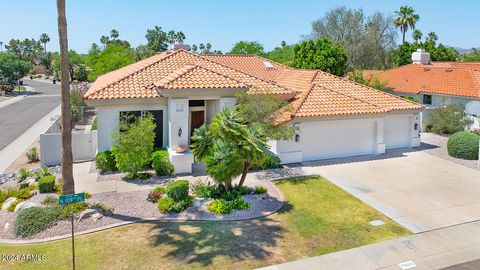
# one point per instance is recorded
(66, 200)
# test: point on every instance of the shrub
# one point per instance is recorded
(58, 188)
(23, 193)
(46, 184)
(161, 163)
(270, 162)
(105, 161)
(88, 195)
(448, 120)
(219, 207)
(32, 155)
(23, 174)
(134, 145)
(160, 190)
(239, 204)
(100, 206)
(50, 200)
(75, 207)
(44, 172)
(177, 190)
(164, 204)
(463, 145)
(259, 190)
(202, 190)
(181, 205)
(36, 219)
(153, 196)
(12, 206)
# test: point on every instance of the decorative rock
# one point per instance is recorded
(97, 216)
(24, 205)
(8, 202)
(87, 213)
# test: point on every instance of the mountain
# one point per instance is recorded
(462, 50)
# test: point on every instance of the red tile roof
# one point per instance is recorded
(447, 78)
(311, 92)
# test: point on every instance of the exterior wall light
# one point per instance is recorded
(415, 126)
(180, 132)
(297, 137)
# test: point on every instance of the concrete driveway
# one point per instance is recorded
(416, 189)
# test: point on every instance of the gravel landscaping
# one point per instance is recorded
(133, 206)
(437, 145)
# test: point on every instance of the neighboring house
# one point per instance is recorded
(434, 84)
(335, 117)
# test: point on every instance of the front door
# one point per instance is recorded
(197, 119)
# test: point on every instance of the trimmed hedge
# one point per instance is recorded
(178, 190)
(105, 161)
(46, 184)
(161, 163)
(36, 219)
(463, 145)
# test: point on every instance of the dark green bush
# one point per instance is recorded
(46, 184)
(177, 190)
(105, 161)
(270, 162)
(181, 205)
(239, 204)
(259, 190)
(164, 204)
(36, 219)
(463, 145)
(448, 120)
(202, 190)
(161, 163)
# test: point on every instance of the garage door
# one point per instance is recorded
(397, 131)
(333, 139)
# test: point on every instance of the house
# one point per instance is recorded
(434, 84)
(335, 117)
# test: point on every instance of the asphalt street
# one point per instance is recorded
(18, 117)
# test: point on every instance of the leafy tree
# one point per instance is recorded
(114, 34)
(47, 59)
(263, 111)
(12, 68)
(76, 66)
(27, 49)
(473, 56)
(104, 40)
(417, 36)
(367, 41)
(134, 145)
(157, 39)
(282, 55)
(448, 120)
(374, 82)
(406, 18)
(112, 58)
(248, 47)
(142, 52)
(44, 39)
(229, 147)
(321, 54)
(403, 54)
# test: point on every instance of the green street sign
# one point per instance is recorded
(71, 198)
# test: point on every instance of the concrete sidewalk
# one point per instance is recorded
(429, 250)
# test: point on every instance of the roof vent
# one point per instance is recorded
(267, 64)
(421, 57)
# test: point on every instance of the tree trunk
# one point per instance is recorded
(227, 185)
(403, 40)
(246, 167)
(68, 185)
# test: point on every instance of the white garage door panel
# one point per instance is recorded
(332, 139)
(397, 131)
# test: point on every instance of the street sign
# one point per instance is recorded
(71, 198)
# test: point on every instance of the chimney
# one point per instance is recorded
(180, 45)
(421, 57)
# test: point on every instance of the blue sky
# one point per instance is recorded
(222, 23)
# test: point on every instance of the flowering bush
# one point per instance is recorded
(153, 196)
(77, 90)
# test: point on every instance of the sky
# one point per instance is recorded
(222, 23)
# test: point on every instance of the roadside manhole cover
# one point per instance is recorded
(376, 223)
(407, 265)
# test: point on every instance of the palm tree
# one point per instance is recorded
(68, 184)
(114, 34)
(417, 35)
(194, 48)
(201, 47)
(432, 37)
(1, 46)
(406, 19)
(180, 36)
(104, 40)
(208, 47)
(171, 37)
(44, 39)
(283, 43)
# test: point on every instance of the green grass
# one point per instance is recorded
(318, 218)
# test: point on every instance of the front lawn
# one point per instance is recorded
(318, 218)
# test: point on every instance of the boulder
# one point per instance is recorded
(8, 202)
(24, 205)
(97, 216)
(87, 214)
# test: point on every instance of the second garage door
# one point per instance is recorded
(333, 139)
(397, 131)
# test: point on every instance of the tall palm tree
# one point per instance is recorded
(1, 46)
(44, 39)
(68, 184)
(171, 37)
(407, 18)
(417, 35)
(180, 36)
(104, 40)
(114, 34)
(432, 37)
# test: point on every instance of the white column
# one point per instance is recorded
(415, 130)
(379, 128)
(178, 117)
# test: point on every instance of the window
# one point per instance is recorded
(427, 99)
(196, 103)
(130, 117)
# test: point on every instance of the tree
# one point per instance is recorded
(367, 41)
(473, 56)
(417, 36)
(171, 37)
(208, 47)
(104, 40)
(201, 47)
(12, 68)
(68, 184)
(283, 43)
(432, 37)
(406, 18)
(157, 39)
(112, 58)
(403, 54)
(194, 48)
(27, 49)
(321, 54)
(448, 120)
(44, 39)
(142, 52)
(1, 46)
(282, 55)
(248, 47)
(134, 144)
(180, 36)
(75, 63)
(114, 34)
(374, 81)
(229, 147)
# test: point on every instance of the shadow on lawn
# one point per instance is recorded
(203, 241)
